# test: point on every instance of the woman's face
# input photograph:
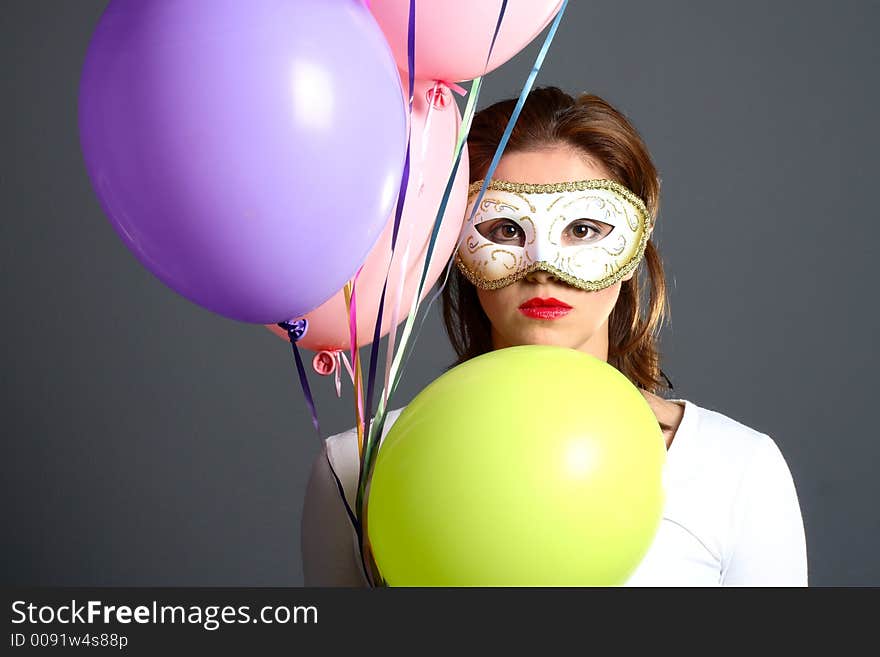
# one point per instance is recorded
(516, 321)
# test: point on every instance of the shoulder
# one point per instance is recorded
(728, 437)
(342, 452)
(729, 486)
(342, 447)
(717, 431)
(761, 458)
(760, 525)
(731, 455)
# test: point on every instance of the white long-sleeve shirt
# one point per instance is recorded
(731, 515)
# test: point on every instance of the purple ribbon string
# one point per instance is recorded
(401, 197)
(296, 329)
(446, 194)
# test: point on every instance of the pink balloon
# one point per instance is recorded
(453, 36)
(432, 149)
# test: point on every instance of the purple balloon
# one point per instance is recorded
(248, 152)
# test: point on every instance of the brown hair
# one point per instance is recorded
(552, 117)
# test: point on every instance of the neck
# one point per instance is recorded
(597, 344)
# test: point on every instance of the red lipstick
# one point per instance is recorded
(538, 308)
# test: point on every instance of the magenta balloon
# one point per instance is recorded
(248, 153)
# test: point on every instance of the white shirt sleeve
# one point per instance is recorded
(328, 540)
(768, 546)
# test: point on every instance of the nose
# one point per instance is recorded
(540, 276)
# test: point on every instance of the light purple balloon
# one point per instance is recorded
(248, 152)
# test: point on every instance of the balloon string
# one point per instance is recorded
(495, 35)
(378, 422)
(539, 60)
(358, 375)
(377, 328)
(295, 330)
(347, 364)
(527, 87)
(395, 314)
(351, 307)
(401, 198)
(365, 409)
(425, 132)
(398, 214)
(457, 88)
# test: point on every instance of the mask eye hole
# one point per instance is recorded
(502, 231)
(585, 231)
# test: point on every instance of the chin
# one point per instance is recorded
(547, 336)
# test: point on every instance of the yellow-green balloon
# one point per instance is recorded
(527, 466)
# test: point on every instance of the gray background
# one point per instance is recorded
(148, 442)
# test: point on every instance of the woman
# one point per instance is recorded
(593, 282)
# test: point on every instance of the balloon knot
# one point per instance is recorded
(296, 328)
(438, 95)
(461, 91)
(324, 362)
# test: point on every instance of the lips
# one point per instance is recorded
(538, 302)
(538, 308)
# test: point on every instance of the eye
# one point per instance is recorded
(583, 231)
(503, 231)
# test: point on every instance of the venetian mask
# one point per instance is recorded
(588, 233)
